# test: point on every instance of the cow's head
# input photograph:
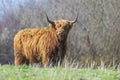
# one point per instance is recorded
(62, 27)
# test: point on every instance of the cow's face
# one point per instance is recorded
(62, 27)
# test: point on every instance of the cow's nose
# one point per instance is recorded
(62, 30)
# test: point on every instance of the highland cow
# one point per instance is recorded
(42, 45)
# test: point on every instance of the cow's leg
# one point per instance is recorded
(20, 60)
(45, 59)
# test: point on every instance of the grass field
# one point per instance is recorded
(8, 72)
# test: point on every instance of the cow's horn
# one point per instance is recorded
(74, 20)
(49, 20)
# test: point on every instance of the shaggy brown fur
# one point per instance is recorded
(45, 45)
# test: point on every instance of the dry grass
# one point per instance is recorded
(8, 72)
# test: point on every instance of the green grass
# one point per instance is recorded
(8, 72)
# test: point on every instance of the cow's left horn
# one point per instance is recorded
(74, 20)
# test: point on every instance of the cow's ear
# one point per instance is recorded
(52, 23)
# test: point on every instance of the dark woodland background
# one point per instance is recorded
(94, 39)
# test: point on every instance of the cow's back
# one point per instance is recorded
(24, 41)
(32, 43)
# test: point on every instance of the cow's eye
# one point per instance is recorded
(59, 26)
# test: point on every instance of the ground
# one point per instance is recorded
(8, 72)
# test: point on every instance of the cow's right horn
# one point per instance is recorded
(52, 22)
